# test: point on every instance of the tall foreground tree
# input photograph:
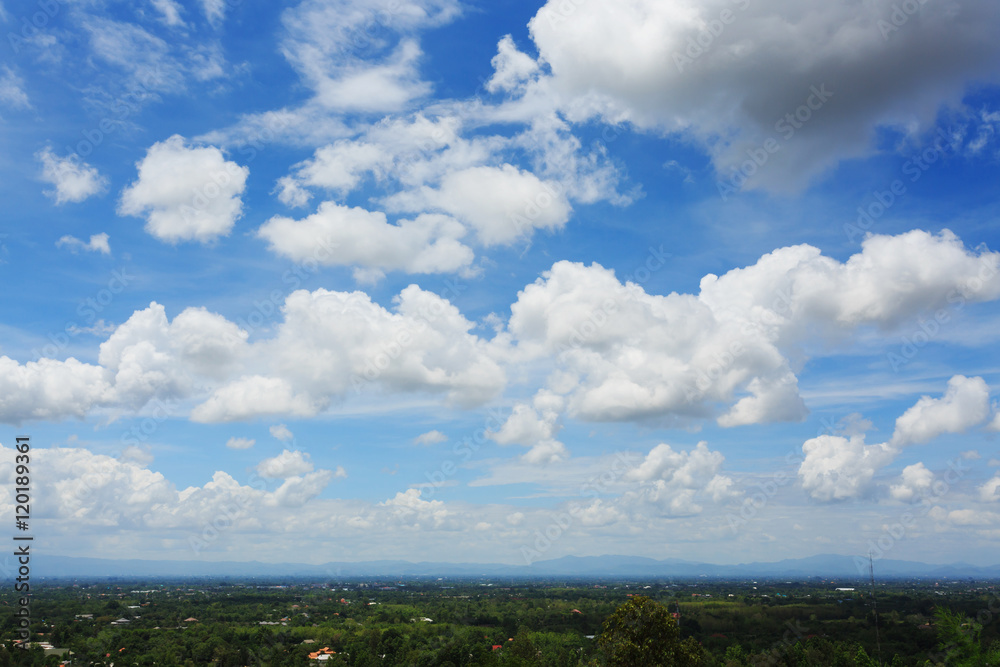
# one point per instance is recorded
(642, 633)
(959, 642)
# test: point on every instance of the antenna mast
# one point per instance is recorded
(871, 571)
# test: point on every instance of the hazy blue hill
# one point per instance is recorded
(824, 565)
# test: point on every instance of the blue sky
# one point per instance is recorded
(462, 281)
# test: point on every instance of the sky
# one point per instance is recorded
(506, 281)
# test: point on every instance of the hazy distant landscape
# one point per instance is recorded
(49, 567)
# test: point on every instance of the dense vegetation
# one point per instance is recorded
(442, 623)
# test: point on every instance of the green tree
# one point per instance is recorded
(959, 641)
(642, 633)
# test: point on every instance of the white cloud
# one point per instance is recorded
(965, 404)
(503, 204)
(388, 86)
(240, 443)
(140, 456)
(186, 194)
(599, 513)
(341, 236)
(631, 355)
(511, 67)
(324, 42)
(282, 433)
(546, 452)
(893, 279)
(412, 150)
(990, 491)
(143, 57)
(663, 462)
(837, 468)
(914, 480)
(535, 426)
(97, 243)
(994, 425)
(285, 465)
(215, 10)
(74, 179)
(49, 390)
(255, 396)
(970, 517)
(12, 90)
(332, 343)
(171, 12)
(607, 350)
(83, 495)
(671, 481)
(411, 508)
(297, 491)
(150, 357)
(639, 61)
(626, 354)
(430, 438)
(413, 156)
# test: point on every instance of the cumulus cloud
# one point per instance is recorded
(424, 161)
(634, 355)
(149, 356)
(914, 480)
(97, 243)
(719, 72)
(334, 343)
(611, 350)
(990, 491)
(297, 491)
(408, 506)
(329, 345)
(240, 443)
(431, 438)
(511, 67)
(50, 390)
(965, 404)
(994, 425)
(255, 396)
(672, 480)
(83, 495)
(186, 194)
(342, 236)
(627, 354)
(285, 465)
(282, 433)
(503, 204)
(971, 517)
(74, 179)
(535, 426)
(838, 468)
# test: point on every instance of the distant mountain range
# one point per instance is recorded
(843, 567)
